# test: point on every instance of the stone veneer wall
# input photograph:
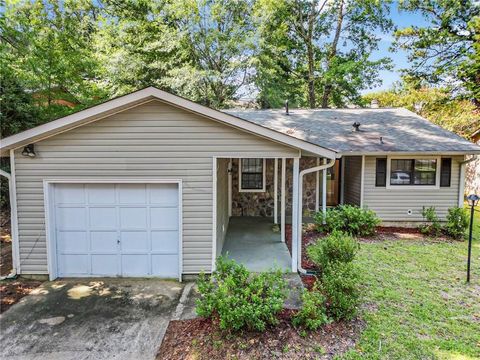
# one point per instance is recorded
(261, 203)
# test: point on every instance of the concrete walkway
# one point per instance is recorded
(252, 242)
(90, 319)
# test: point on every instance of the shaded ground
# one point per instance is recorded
(90, 319)
(11, 291)
(202, 339)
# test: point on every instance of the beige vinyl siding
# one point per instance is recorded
(353, 180)
(151, 141)
(393, 204)
(222, 203)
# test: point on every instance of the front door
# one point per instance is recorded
(333, 179)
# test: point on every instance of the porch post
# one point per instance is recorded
(282, 199)
(275, 192)
(324, 189)
(317, 189)
(230, 188)
(295, 214)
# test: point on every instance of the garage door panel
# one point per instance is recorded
(71, 218)
(165, 265)
(69, 194)
(165, 241)
(132, 193)
(135, 241)
(164, 218)
(74, 264)
(104, 241)
(105, 264)
(103, 218)
(133, 218)
(135, 265)
(101, 194)
(72, 242)
(164, 194)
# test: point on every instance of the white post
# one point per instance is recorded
(230, 188)
(362, 181)
(461, 186)
(275, 192)
(342, 182)
(283, 197)
(317, 190)
(324, 188)
(295, 214)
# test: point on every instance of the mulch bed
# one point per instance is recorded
(202, 339)
(11, 291)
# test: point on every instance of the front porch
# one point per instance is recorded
(253, 242)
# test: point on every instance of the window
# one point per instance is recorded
(446, 172)
(381, 173)
(252, 175)
(413, 172)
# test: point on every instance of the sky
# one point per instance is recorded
(400, 60)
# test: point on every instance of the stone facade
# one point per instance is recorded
(261, 203)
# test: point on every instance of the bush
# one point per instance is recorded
(240, 299)
(340, 286)
(348, 218)
(313, 313)
(432, 224)
(457, 223)
(336, 247)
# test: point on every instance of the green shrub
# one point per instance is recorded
(340, 286)
(336, 247)
(431, 225)
(348, 218)
(313, 313)
(240, 299)
(457, 223)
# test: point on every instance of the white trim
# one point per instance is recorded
(295, 214)
(275, 191)
(14, 215)
(414, 187)
(406, 153)
(152, 93)
(342, 181)
(230, 197)
(317, 188)
(48, 197)
(264, 185)
(461, 186)
(283, 199)
(362, 182)
(324, 188)
(214, 212)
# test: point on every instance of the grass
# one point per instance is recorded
(417, 302)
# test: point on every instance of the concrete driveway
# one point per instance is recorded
(90, 319)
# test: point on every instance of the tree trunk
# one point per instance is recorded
(311, 78)
(333, 52)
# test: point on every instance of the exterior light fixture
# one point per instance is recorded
(29, 151)
(472, 202)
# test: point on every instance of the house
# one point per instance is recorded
(151, 184)
(472, 172)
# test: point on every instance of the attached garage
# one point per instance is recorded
(114, 229)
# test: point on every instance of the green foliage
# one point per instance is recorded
(457, 223)
(336, 247)
(240, 299)
(348, 218)
(313, 313)
(431, 225)
(340, 285)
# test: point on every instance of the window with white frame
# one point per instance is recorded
(252, 175)
(413, 172)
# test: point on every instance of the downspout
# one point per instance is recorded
(13, 274)
(300, 208)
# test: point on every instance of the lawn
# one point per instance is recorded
(417, 303)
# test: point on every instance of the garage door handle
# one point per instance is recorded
(118, 241)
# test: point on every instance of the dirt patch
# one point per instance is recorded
(202, 339)
(11, 291)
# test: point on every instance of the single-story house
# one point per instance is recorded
(152, 184)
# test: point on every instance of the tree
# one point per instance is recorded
(321, 46)
(448, 49)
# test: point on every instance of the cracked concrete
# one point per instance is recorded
(90, 319)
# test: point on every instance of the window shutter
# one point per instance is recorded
(381, 172)
(446, 172)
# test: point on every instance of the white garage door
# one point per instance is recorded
(117, 229)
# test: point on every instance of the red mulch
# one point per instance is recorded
(202, 339)
(11, 291)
